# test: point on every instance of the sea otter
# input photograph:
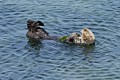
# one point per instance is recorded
(36, 32)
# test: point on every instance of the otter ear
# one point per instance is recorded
(40, 23)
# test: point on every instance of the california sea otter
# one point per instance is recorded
(36, 32)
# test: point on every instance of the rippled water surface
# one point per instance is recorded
(21, 59)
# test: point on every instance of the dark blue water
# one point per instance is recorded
(21, 59)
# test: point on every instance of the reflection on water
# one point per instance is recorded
(88, 49)
(35, 45)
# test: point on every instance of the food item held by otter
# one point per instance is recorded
(63, 39)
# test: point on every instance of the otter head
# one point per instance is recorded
(87, 35)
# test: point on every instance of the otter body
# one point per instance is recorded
(38, 33)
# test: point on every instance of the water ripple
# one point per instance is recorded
(23, 59)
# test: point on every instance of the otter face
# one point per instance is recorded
(87, 35)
